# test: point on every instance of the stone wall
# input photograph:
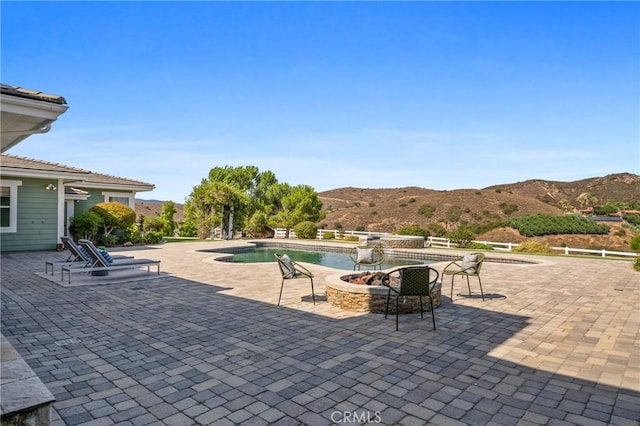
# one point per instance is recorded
(375, 301)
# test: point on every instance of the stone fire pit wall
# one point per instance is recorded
(372, 299)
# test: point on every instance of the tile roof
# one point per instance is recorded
(17, 162)
(21, 92)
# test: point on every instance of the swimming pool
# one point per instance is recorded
(336, 260)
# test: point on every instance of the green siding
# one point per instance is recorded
(37, 218)
(95, 198)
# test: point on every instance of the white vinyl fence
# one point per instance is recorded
(445, 242)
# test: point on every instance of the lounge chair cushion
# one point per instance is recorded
(469, 262)
(84, 253)
(365, 255)
(287, 264)
(107, 257)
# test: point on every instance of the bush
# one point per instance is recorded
(85, 225)
(634, 244)
(188, 229)
(153, 224)
(306, 230)
(153, 237)
(132, 235)
(633, 219)
(636, 264)
(461, 236)
(479, 246)
(413, 230)
(329, 235)
(533, 247)
(108, 240)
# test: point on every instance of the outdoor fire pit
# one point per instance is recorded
(363, 292)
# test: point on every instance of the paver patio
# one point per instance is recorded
(554, 343)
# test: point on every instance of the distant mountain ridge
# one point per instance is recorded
(388, 210)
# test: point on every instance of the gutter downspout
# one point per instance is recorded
(61, 215)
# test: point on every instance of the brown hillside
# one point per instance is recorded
(152, 208)
(389, 210)
(615, 187)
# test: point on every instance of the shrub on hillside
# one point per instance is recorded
(426, 210)
(306, 230)
(634, 244)
(508, 208)
(533, 247)
(633, 219)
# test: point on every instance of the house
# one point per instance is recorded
(37, 198)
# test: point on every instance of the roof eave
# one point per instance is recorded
(42, 174)
(116, 186)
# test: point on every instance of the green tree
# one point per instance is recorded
(168, 212)
(113, 216)
(296, 204)
(205, 205)
(257, 199)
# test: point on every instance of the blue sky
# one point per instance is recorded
(440, 95)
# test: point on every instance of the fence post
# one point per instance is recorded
(566, 250)
(604, 253)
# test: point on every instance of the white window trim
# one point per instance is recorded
(130, 196)
(13, 205)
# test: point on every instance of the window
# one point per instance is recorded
(9, 205)
(123, 200)
(119, 197)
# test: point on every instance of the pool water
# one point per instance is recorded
(334, 260)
